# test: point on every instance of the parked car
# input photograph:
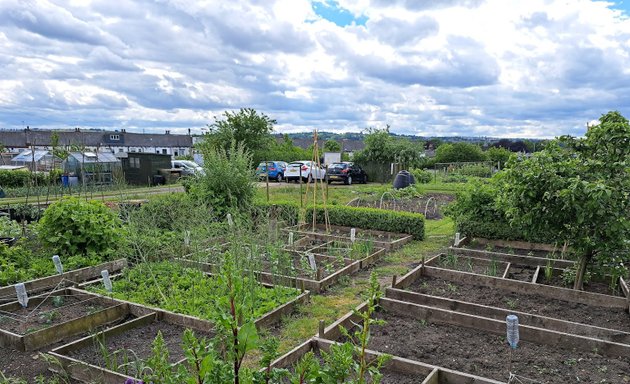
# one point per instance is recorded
(305, 168)
(346, 172)
(188, 168)
(275, 170)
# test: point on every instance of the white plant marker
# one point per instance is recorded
(106, 280)
(353, 234)
(457, 239)
(22, 296)
(290, 238)
(229, 220)
(58, 266)
(187, 238)
(311, 261)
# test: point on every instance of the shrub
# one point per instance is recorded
(454, 178)
(366, 218)
(72, 226)
(476, 170)
(422, 176)
(228, 182)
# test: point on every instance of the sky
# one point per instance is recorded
(499, 68)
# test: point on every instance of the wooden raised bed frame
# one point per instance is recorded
(316, 285)
(7, 294)
(305, 230)
(57, 332)
(433, 374)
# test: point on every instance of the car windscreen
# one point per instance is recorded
(296, 164)
(338, 166)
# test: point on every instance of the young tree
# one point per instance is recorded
(577, 189)
(498, 155)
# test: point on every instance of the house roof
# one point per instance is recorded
(25, 138)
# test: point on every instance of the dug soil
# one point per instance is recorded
(470, 265)
(136, 343)
(612, 318)
(51, 312)
(488, 355)
(521, 272)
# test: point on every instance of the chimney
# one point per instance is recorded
(123, 130)
(168, 132)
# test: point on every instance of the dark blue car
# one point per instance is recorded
(274, 168)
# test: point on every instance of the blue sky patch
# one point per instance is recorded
(331, 11)
(623, 6)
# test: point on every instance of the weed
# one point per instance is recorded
(548, 271)
(451, 287)
(50, 316)
(422, 322)
(512, 304)
(57, 301)
(492, 269)
(570, 362)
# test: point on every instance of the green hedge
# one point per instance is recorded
(20, 178)
(366, 218)
(497, 230)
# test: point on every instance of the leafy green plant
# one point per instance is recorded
(548, 270)
(9, 228)
(493, 268)
(422, 176)
(72, 226)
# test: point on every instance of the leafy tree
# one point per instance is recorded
(284, 151)
(459, 152)
(378, 146)
(498, 155)
(332, 146)
(246, 126)
(577, 189)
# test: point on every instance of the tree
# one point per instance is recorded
(459, 152)
(246, 127)
(577, 189)
(498, 155)
(332, 146)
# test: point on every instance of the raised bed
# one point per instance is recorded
(490, 267)
(396, 371)
(476, 345)
(295, 270)
(526, 260)
(381, 239)
(542, 300)
(262, 321)
(511, 246)
(84, 360)
(53, 317)
(7, 294)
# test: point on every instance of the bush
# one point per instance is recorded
(422, 176)
(21, 178)
(454, 178)
(366, 218)
(476, 214)
(228, 182)
(72, 226)
(476, 170)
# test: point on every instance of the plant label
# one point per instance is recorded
(457, 239)
(22, 296)
(353, 234)
(290, 238)
(187, 238)
(106, 280)
(311, 261)
(58, 266)
(229, 220)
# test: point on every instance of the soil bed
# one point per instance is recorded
(612, 318)
(416, 205)
(140, 341)
(511, 251)
(470, 265)
(51, 312)
(521, 272)
(591, 286)
(486, 354)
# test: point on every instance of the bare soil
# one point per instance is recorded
(612, 318)
(488, 355)
(591, 286)
(471, 265)
(511, 251)
(51, 312)
(136, 343)
(29, 365)
(521, 272)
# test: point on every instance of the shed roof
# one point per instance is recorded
(28, 156)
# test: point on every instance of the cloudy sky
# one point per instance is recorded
(535, 68)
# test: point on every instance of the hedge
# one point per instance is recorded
(359, 217)
(497, 230)
(21, 178)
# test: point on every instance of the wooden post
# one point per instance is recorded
(322, 327)
(267, 178)
(394, 281)
(320, 273)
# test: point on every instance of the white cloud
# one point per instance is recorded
(457, 67)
